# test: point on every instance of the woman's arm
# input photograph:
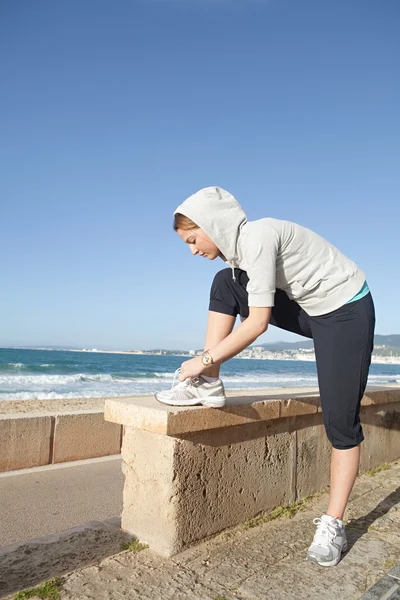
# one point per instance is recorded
(244, 335)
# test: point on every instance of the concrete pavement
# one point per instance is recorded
(45, 500)
(258, 560)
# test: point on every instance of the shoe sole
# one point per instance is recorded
(209, 402)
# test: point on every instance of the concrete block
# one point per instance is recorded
(395, 572)
(150, 498)
(84, 435)
(313, 458)
(385, 396)
(193, 472)
(178, 491)
(381, 426)
(227, 477)
(24, 441)
(150, 415)
(382, 590)
(299, 406)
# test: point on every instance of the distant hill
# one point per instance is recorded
(276, 346)
(390, 341)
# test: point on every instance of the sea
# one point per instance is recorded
(53, 374)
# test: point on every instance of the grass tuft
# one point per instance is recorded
(287, 510)
(388, 564)
(372, 472)
(134, 546)
(50, 589)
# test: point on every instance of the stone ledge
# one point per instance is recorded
(84, 435)
(25, 441)
(192, 472)
(42, 438)
(145, 413)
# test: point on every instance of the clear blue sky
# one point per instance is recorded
(112, 113)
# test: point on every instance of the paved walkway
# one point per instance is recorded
(44, 500)
(387, 588)
(266, 561)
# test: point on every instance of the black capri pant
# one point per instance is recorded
(343, 342)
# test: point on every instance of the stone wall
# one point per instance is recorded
(192, 472)
(36, 439)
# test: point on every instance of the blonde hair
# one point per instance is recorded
(182, 222)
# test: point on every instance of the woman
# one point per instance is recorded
(286, 275)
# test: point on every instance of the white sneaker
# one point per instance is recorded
(193, 391)
(329, 542)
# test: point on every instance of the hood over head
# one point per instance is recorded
(220, 216)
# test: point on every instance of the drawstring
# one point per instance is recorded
(233, 273)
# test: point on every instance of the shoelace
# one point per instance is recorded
(185, 383)
(324, 530)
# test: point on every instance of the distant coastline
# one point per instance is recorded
(68, 373)
(304, 357)
(252, 353)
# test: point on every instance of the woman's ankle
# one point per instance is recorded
(209, 378)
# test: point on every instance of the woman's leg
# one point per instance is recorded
(344, 469)
(229, 298)
(343, 343)
(219, 326)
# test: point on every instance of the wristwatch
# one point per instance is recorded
(206, 359)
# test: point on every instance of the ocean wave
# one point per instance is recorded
(16, 368)
(103, 376)
(47, 396)
(129, 378)
(383, 379)
(35, 380)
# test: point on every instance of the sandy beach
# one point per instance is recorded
(8, 407)
(77, 404)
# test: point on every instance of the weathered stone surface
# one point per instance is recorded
(385, 587)
(381, 426)
(84, 435)
(148, 414)
(25, 442)
(313, 458)
(150, 490)
(265, 562)
(299, 406)
(178, 491)
(182, 488)
(222, 481)
(395, 572)
(26, 564)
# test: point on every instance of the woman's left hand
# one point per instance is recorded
(191, 368)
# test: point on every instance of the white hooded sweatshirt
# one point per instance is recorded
(275, 254)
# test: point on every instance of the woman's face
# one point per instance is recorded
(199, 243)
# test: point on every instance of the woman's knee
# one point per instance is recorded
(222, 278)
(343, 433)
(227, 295)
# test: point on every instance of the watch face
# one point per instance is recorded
(206, 359)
